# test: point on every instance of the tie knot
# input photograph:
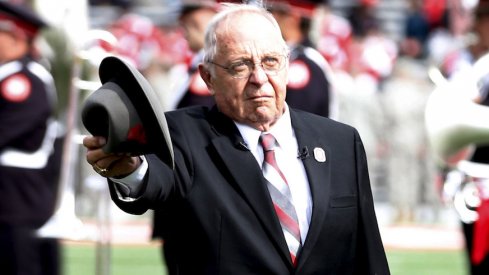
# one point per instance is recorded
(267, 142)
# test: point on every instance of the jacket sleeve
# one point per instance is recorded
(161, 184)
(370, 251)
(156, 184)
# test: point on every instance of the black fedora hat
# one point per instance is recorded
(127, 112)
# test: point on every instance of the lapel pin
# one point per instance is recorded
(319, 154)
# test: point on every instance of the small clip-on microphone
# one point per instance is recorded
(303, 153)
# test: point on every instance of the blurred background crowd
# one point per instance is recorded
(382, 60)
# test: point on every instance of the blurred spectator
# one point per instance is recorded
(410, 167)
(29, 148)
(334, 34)
(362, 17)
(373, 60)
(194, 17)
(450, 33)
(416, 31)
(138, 39)
(372, 53)
(372, 56)
(165, 73)
(309, 87)
(435, 11)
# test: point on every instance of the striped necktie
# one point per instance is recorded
(281, 197)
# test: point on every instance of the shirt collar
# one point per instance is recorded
(281, 130)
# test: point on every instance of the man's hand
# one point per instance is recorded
(108, 164)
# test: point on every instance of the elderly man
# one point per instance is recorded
(306, 213)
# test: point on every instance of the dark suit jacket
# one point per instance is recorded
(219, 215)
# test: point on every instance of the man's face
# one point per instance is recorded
(286, 21)
(7, 44)
(257, 100)
(194, 24)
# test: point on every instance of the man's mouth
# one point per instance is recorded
(260, 97)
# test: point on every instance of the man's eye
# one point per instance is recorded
(239, 66)
(270, 62)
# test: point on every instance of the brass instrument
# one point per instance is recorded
(456, 124)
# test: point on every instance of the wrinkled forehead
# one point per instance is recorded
(248, 34)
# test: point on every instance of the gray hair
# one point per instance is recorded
(229, 11)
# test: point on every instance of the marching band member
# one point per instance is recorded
(28, 167)
(460, 67)
(309, 86)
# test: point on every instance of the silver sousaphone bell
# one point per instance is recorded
(455, 124)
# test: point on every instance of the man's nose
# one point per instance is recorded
(258, 75)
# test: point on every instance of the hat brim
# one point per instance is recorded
(145, 102)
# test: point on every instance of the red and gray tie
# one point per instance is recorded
(281, 196)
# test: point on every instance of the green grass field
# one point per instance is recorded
(125, 260)
(128, 260)
(412, 262)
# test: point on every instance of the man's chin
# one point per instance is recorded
(264, 115)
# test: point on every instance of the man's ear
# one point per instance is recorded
(206, 76)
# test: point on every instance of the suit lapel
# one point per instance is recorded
(318, 174)
(247, 177)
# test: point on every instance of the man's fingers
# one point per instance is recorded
(109, 161)
(108, 164)
(92, 142)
